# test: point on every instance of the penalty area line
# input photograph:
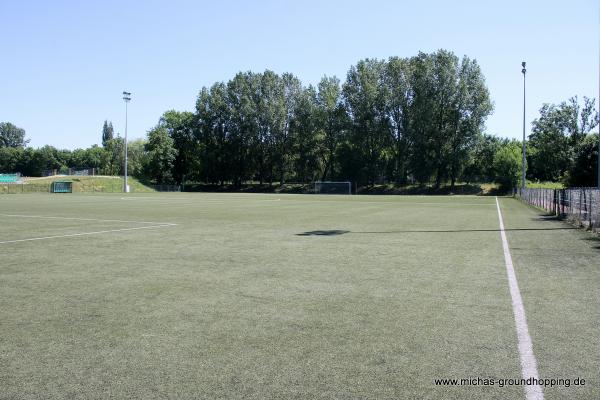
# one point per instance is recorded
(85, 219)
(85, 233)
(525, 345)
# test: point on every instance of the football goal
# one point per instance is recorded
(61, 187)
(333, 188)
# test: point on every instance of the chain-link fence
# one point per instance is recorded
(581, 205)
(13, 188)
(166, 188)
(82, 187)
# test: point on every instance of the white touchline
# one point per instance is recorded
(85, 219)
(528, 363)
(86, 233)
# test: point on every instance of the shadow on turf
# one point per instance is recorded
(323, 233)
(552, 217)
(595, 241)
(341, 232)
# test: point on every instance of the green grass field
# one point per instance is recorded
(231, 296)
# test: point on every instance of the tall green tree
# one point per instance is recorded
(285, 135)
(12, 136)
(480, 166)
(507, 165)
(365, 103)
(181, 128)
(555, 135)
(161, 155)
(332, 121)
(442, 88)
(137, 158)
(398, 95)
(450, 102)
(584, 170)
(215, 150)
(113, 157)
(91, 157)
(308, 139)
(108, 132)
(247, 134)
(11, 159)
(470, 109)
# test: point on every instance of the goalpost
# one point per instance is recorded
(333, 187)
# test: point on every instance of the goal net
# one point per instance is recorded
(83, 171)
(333, 188)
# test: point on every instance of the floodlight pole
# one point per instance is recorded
(524, 71)
(126, 98)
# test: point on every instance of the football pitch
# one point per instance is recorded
(251, 296)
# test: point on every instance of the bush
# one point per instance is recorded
(507, 165)
(584, 171)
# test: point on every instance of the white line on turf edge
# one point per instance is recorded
(85, 233)
(85, 219)
(528, 362)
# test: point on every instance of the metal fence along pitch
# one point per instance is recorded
(580, 205)
(15, 188)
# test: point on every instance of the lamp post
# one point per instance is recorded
(127, 99)
(524, 71)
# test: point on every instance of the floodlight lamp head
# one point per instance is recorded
(523, 65)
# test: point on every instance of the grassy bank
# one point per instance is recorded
(93, 183)
(481, 189)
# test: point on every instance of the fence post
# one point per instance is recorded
(590, 210)
(589, 207)
(560, 202)
(580, 204)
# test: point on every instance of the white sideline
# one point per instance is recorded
(86, 233)
(528, 362)
(87, 219)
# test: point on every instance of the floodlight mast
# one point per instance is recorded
(127, 99)
(524, 71)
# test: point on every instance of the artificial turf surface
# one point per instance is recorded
(287, 296)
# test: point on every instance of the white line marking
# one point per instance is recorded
(86, 219)
(85, 233)
(528, 362)
(398, 203)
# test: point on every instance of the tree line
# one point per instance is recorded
(408, 120)
(399, 120)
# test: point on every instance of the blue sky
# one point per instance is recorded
(65, 63)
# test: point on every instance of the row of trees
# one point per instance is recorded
(107, 160)
(401, 120)
(396, 120)
(561, 146)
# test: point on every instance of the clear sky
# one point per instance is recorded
(65, 63)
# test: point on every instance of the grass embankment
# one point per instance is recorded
(545, 185)
(481, 189)
(110, 184)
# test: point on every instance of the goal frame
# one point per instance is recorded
(318, 185)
